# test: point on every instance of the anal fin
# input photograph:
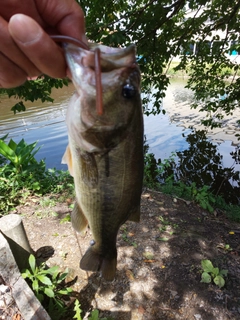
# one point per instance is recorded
(135, 215)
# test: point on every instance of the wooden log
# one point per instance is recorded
(29, 306)
(12, 228)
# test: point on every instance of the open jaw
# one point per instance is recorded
(97, 60)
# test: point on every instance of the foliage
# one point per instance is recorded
(93, 316)
(19, 155)
(150, 171)
(210, 273)
(203, 196)
(165, 29)
(3, 160)
(127, 236)
(47, 284)
(50, 288)
(32, 90)
(21, 174)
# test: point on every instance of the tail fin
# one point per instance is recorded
(93, 261)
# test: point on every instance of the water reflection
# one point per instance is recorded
(201, 163)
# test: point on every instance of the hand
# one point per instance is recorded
(26, 50)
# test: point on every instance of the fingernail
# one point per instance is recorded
(24, 29)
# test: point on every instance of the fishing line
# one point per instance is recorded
(80, 250)
(76, 42)
(97, 60)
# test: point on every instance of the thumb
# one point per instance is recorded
(24, 30)
(40, 49)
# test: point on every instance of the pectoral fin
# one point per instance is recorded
(67, 159)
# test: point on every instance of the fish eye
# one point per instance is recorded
(128, 91)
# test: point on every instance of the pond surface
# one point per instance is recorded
(45, 123)
(42, 122)
(167, 133)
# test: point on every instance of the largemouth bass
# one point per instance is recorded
(105, 151)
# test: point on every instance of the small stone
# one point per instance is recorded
(197, 316)
(173, 293)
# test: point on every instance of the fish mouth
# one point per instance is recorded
(111, 58)
(80, 54)
(112, 64)
(116, 65)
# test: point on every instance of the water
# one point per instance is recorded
(45, 123)
(42, 122)
(167, 133)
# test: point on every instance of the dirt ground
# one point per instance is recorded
(159, 260)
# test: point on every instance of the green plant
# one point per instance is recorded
(21, 175)
(49, 287)
(67, 218)
(167, 226)
(77, 310)
(93, 316)
(47, 284)
(203, 197)
(125, 236)
(210, 273)
(150, 171)
(47, 202)
(20, 155)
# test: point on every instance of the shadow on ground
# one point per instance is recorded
(159, 262)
